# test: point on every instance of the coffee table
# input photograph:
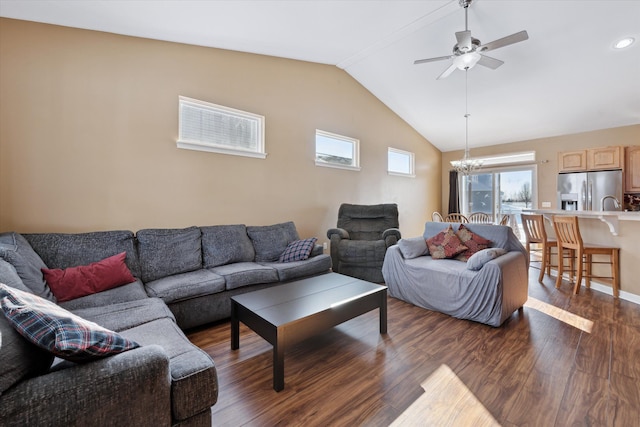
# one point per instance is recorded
(287, 314)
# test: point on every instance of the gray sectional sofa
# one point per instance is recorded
(184, 278)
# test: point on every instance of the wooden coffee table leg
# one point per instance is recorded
(235, 327)
(278, 363)
(383, 312)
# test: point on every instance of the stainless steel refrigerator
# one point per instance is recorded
(584, 191)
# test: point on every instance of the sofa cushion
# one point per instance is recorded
(413, 247)
(445, 244)
(298, 250)
(242, 274)
(165, 252)
(17, 251)
(226, 244)
(75, 282)
(130, 292)
(474, 242)
(126, 315)
(186, 286)
(194, 385)
(19, 357)
(57, 330)
(294, 270)
(9, 276)
(64, 250)
(480, 258)
(271, 240)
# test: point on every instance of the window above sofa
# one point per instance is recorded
(215, 128)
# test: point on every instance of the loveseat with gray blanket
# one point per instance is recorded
(484, 289)
(184, 278)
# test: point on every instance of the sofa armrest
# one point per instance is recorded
(515, 281)
(130, 388)
(391, 236)
(317, 250)
(339, 233)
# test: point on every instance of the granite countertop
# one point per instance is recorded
(611, 218)
(620, 215)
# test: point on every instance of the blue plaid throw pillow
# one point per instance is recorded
(53, 328)
(298, 250)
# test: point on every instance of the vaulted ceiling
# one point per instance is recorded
(566, 78)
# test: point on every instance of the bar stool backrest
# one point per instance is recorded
(567, 232)
(533, 225)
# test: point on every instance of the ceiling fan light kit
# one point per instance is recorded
(467, 53)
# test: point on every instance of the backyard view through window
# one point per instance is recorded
(499, 191)
(337, 151)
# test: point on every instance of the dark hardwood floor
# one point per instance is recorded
(535, 370)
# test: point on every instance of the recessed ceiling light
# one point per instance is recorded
(625, 42)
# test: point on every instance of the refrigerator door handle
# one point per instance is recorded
(583, 200)
(590, 195)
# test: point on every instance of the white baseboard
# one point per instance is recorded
(606, 289)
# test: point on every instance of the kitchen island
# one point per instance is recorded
(618, 228)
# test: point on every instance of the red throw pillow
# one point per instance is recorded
(445, 244)
(76, 282)
(472, 241)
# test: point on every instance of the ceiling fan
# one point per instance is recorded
(469, 51)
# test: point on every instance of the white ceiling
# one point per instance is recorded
(565, 79)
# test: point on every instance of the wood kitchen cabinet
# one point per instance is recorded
(591, 159)
(605, 158)
(632, 169)
(572, 161)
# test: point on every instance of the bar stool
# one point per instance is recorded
(568, 235)
(535, 233)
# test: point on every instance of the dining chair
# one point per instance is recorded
(569, 237)
(456, 217)
(480, 218)
(535, 234)
(505, 219)
(436, 217)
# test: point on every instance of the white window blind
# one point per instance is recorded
(210, 127)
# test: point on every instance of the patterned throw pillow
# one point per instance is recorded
(53, 328)
(472, 241)
(298, 250)
(445, 244)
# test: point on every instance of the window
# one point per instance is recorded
(499, 191)
(400, 162)
(337, 151)
(210, 127)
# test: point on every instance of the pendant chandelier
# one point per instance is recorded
(466, 165)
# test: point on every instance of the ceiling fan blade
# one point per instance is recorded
(490, 62)
(464, 40)
(505, 41)
(446, 72)
(439, 58)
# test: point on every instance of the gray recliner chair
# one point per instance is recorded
(361, 239)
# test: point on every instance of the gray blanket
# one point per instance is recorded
(488, 295)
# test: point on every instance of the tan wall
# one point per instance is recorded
(547, 149)
(88, 128)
